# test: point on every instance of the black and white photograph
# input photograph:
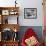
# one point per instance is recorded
(30, 13)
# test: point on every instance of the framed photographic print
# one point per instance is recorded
(0, 36)
(5, 12)
(30, 13)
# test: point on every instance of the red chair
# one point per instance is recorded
(29, 33)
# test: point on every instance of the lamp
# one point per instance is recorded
(15, 3)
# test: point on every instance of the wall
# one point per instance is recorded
(31, 4)
(27, 4)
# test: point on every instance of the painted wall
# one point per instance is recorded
(31, 4)
(26, 4)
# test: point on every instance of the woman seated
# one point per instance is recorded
(30, 38)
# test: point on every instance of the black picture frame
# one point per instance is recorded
(30, 13)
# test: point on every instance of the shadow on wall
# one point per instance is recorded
(37, 29)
